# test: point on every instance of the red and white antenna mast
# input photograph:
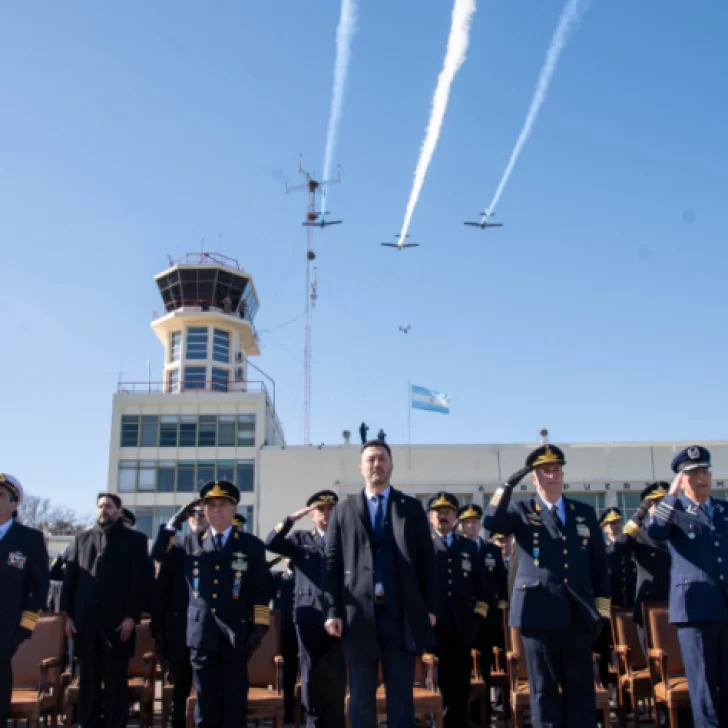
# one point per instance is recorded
(312, 215)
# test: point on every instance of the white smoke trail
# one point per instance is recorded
(344, 33)
(457, 47)
(571, 14)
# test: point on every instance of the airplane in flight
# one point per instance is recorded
(405, 329)
(313, 221)
(399, 244)
(483, 224)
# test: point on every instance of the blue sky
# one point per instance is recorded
(131, 131)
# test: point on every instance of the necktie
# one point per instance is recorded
(557, 518)
(323, 540)
(379, 515)
(708, 509)
(218, 541)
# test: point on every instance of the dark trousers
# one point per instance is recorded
(453, 671)
(221, 682)
(289, 652)
(704, 650)
(6, 682)
(641, 637)
(603, 647)
(323, 677)
(398, 666)
(97, 664)
(181, 671)
(561, 658)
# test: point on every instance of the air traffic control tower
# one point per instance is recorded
(212, 410)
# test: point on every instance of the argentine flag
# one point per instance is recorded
(429, 400)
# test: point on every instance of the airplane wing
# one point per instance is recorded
(409, 245)
(390, 245)
(333, 222)
(474, 224)
(494, 224)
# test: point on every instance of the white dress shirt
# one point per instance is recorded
(560, 507)
(5, 528)
(372, 503)
(225, 535)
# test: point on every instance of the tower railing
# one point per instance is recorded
(191, 387)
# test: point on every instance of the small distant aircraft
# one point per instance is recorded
(483, 224)
(405, 329)
(312, 220)
(399, 244)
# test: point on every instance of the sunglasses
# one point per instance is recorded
(198, 513)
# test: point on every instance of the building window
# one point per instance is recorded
(147, 476)
(168, 431)
(150, 431)
(129, 430)
(127, 476)
(188, 431)
(166, 472)
(175, 345)
(197, 343)
(145, 520)
(221, 346)
(246, 430)
(628, 504)
(225, 470)
(195, 378)
(226, 431)
(186, 477)
(206, 431)
(173, 380)
(205, 473)
(248, 512)
(245, 476)
(220, 380)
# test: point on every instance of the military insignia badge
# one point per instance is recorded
(490, 562)
(582, 530)
(693, 453)
(17, 559)
(467, 566)
(580, 519)
(240, 565)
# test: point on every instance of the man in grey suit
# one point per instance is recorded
(380, 584)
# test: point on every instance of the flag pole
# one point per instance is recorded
(409, 423)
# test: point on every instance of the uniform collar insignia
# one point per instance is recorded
(572, 506)
(235, 535)
(538, 507)
(580, 518)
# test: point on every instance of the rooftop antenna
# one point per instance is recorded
(544, 436)
(311, 185)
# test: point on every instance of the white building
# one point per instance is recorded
(212, 416)
(211, 413)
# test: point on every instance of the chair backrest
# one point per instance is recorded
(646, 608)
(48, 641)
(262, 666)
(144, 642)
(664, 637)
(624, 633)
(518, 650)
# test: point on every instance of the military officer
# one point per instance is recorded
(561, 589)
(490, 634)
(24, 578)
(623, 577)
(228, 614)
(651, 556)
(169, 618)
(323, 670)
(695, 526)
(239, 521)
(462, 606)
(283, 583)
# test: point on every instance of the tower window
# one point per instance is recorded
(220, 380)
(197, 343)
(129, 430)
(195, 377)
(173, 380)
(175, 345)
(221, 346)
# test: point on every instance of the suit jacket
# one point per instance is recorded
(24, 581)
(623, 576)
(105, 582)
(653, 566)
(229, 590)
(307, 555)
(462, 588)
(559, 570)
(699, 552)
(349, 575)
(496, 581)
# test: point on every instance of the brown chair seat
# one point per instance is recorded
(263, 695)
(25, 702)
(676, 686)
(643, 674)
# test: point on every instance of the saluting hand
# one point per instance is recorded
(125, 628)
(298, 515)
(334, 627)
(183, 514)
(676, 485)
(518, 476)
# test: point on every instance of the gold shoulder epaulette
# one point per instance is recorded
(28, 620)
(631, 529)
